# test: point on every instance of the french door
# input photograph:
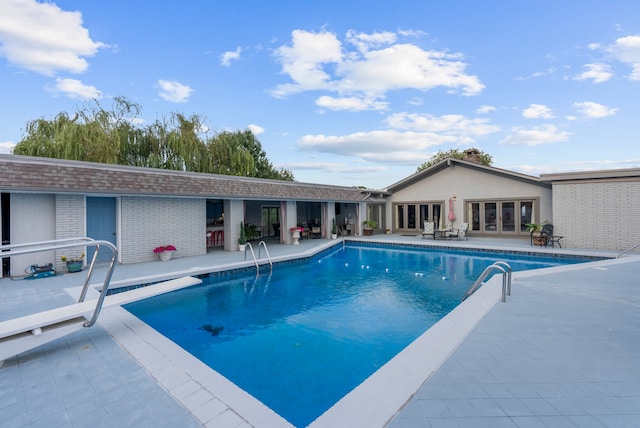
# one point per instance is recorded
(410, 217)
(495, 217)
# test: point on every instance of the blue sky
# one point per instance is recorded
(345, 92)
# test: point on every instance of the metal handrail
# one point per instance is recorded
(60, 244)
(250, 247)
(506, 265)
(266, 250)
(506, 280)
(627, 250)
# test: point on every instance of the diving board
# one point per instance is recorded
(22, 334)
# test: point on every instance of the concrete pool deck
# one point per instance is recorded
(562, 351)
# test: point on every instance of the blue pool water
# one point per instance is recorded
(301, 338)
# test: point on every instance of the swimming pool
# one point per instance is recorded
(285, 337)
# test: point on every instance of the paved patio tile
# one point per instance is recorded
(562, 351)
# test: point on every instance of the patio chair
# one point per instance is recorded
(461, 232)
(316, 232)
(547, 233)
(429, 229)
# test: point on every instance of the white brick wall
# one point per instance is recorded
(70, 223)
(148, 222)
(601, 215)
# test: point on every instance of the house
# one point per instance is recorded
(138, 209)
(493, 201)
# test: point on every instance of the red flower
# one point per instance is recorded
(164, 248)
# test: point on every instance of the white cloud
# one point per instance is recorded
(451, 124)
(332, 167)
(365, 42)
(537, 111)
(257, 130)
(627, 50)
(386, 146)
(174, 91)
(485, 109)
(74, 88)
(303, 61)
(6, 147)
(593, 110)
(350, 103)
(320, 61)
(544, 134)
(227, 57)
(598, 73)
(43, 38)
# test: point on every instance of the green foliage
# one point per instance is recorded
(535, 227)
(483, 158)
(243, 234)
(334, 228)
(370, 224)
(177, 142)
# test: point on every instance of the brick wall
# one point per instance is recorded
(148, 222)
(70, 223)
(600, 215)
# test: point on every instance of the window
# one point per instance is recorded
(410, 217)
(507, 217)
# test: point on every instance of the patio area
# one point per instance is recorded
(561, 352)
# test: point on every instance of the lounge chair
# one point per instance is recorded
(429, 229)
(550, 238)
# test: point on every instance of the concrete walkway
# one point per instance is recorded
(562, 351)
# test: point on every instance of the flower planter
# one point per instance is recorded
(74, 267)
(540, 241)
(367, 232)
(296, 237)
(165, 255)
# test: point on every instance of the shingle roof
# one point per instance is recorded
(26, 173)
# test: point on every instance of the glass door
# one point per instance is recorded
(507, 217)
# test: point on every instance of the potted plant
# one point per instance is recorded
(74, 264)
(295, 233)
(534, 229)
(334, 229)
(164, 251)
(369, 225)
(242, 240)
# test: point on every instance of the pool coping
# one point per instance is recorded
(215, 401)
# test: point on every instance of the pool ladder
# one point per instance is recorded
(253, 254)
(499, 266)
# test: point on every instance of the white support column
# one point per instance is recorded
(233, 215)
(291, 220)
(362, 216)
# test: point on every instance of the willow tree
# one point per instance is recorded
(240, 153)
(93, 134)
(176, 142)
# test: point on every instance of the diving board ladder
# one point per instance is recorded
(27, 332)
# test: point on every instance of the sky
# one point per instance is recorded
(353, 93)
